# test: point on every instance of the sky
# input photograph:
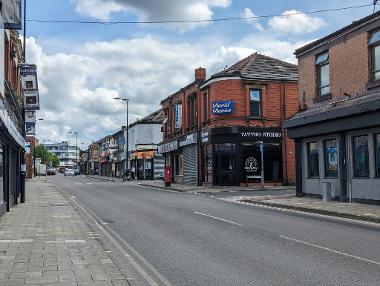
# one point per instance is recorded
(82, 67)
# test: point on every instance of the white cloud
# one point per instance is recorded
(77, 89)
(156, 10)
(247, 13)
(297, 24)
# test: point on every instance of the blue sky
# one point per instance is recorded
(81, 67)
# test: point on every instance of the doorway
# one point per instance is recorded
(225, 170)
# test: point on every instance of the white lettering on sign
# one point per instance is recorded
(262, 134)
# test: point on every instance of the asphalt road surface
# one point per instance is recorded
(198, 240)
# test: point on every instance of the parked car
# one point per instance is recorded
(70, 172)
(51, 171)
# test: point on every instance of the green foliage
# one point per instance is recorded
(46, 156)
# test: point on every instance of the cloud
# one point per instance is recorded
(296, 24)
(247, 13)
(77, 88)
(156, 10)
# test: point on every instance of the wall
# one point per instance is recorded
(144, 134)
(349, 69)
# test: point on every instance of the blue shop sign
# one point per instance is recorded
(223, 107)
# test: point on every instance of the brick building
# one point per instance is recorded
(337, 132)
(225, 119)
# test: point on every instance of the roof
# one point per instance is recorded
(347, 29)
(260, 67)
(180, 90)
(155, 117)
(341, 107)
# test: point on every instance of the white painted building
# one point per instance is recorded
(68, 154)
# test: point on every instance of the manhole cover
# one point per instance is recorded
(106, 220)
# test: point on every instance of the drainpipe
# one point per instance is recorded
(285, 145)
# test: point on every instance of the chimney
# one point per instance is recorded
(200, 74)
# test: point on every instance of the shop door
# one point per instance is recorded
(225, 171)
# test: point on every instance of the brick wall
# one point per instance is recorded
(349, 69)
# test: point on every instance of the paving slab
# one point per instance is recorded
(46, 242)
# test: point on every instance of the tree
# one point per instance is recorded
(46, 156)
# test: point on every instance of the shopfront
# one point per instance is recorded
(232, 155)
(143, 163)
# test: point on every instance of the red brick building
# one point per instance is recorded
(213, 129)
(337, 134)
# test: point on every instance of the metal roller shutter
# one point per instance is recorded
(190, 165)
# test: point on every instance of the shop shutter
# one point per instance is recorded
(190, 165)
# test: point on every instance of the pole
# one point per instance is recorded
(76, 150)
(127, 150)
(34, 157)
(262, 164)
(23, 174)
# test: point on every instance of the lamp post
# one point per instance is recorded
(127, 150)
(76, 147)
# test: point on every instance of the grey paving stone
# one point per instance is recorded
(21, 275)
(41, 280)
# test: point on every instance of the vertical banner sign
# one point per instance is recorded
(29, 85)
(178, 115)
(11, 14)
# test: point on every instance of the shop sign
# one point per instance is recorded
(204, 137)
(30, 116)
(27, 147)
(189, 139)
(11, 14)
(30, 128)
(168, 147)
(9, 125)
(263, 134)
(29, 84)
(251, 168)
(142, 154)
(178, 116)
(223, 107)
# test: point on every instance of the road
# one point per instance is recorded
(198, 240)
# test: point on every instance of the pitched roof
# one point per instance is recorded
(341, 107)
(347, 29)
(155, 117)
(261, 67)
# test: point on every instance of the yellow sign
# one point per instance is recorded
(142, 155)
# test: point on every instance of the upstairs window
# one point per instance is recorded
(323, 74)
(191, 112)
(255, 102)
(374, 43)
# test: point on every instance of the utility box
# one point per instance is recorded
(326, 191)
(168, 176)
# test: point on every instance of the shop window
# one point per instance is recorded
(374, 45)
(313, 159)
(255, 102)
(361, 156)
(331, 158)
(377, 152)
(323, 74)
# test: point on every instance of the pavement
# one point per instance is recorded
(46, 242)
(188, 238)
(278, 197)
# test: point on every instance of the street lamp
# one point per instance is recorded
(76, 147)
(127, 101)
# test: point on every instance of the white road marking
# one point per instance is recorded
(218, 218)
(331, 250)
(236, 201)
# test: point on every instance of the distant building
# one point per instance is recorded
(337, 132)
(68, 154)
(144, 136)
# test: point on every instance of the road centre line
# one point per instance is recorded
(218, 218)
(331, 250)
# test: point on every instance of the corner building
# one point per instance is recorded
(224, 120)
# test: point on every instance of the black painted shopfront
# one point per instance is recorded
(236, 155)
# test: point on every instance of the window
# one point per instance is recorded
(323, 74)
(191, 112)
(377, 154)
(255, 102)
(361, 156)
(374, 43)
(178, 165)
(313, 159)
(205, 107)
(331, 158)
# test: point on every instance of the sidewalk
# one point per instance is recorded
(46, 242)
(347, 210)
